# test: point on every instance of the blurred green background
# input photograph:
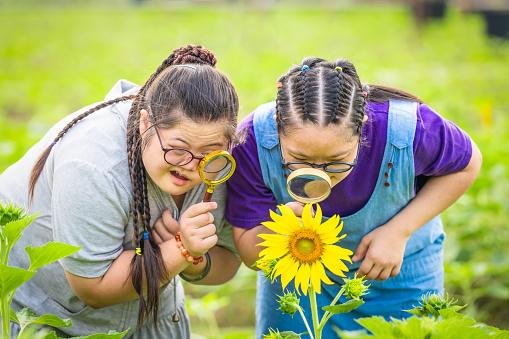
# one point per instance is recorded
(57, 57)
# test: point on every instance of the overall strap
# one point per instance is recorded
(269, 152)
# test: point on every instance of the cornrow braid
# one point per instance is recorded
(323, 93)
(39, 164)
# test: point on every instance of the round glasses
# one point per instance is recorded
(176, 156)
(331, 167)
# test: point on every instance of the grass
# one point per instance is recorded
(53, 60)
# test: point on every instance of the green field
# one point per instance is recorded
(53, 60)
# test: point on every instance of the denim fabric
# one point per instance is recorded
(422, 269)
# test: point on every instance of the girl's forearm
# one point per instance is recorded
(115, 285)
(437, 195)
(223, 266)
(246, 241)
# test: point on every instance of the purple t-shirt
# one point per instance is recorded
(440, 147)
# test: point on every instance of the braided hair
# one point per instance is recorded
(185, 85)
(323, 93)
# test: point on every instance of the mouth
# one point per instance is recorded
(178, 178)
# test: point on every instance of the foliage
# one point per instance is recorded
(441, 322)
(57, 59)
(13, 222)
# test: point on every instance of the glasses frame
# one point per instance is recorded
(286, 165)
(166, 150)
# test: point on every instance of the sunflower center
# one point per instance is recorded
(305, 246)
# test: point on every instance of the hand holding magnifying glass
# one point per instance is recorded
(214, 169)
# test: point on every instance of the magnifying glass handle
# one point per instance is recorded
(208, 195)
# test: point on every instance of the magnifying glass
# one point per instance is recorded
(308, 185)
(214, 169)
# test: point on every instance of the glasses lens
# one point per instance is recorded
(178, 157)
(296, 165)
(337, 168)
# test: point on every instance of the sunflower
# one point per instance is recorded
(303, 247)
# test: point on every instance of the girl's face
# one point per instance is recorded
(197, 139)
(321, 145)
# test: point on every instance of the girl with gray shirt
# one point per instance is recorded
(121, 183)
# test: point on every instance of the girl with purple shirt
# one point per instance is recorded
(394, 163)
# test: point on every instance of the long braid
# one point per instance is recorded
(39, 164)
(152, 263)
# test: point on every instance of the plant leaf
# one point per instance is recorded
(13, 316)
(110, 334)
(26, 318)
(14, 229)
(345, 307)
(377, 325)
(11, 278)
(48, 253)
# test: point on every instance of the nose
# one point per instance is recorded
(191, 166)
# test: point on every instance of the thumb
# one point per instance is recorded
(170, 223)
(361, 250)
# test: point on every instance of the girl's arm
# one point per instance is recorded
(437, 194)
(114, 287)
(246, 241)
(383, 248)
(223, 266)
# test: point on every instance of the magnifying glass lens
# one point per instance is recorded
(216, 169)
(308, 185)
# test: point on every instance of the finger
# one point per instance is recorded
(361, 250)
(296, 207)
(157, 238)
(385, 274)
(206, 231)
(161, 230)
(170, 223)
(374, 272)
(210, 241)
(198, 221)
(365, 267)
(199, 208)
(395, 271)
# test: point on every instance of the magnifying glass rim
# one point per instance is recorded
(308, 171)
(211, 156)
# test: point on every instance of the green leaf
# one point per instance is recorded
(110, 334)
(48, 253)
(13, 316)
(345, 307)
(11, 278)
(26, 317)
(14, 229)
(376, 325)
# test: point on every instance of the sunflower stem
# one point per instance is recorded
(326, 316)
(301, 312)
(314, 313)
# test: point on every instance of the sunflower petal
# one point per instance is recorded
(318, 215)
(307, 217)
(270, 253)
(302, 278)
(332, 259)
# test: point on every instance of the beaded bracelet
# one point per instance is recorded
(185, 252)
(203, 274)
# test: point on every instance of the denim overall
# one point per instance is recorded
(422, 269)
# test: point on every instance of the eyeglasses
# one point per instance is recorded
(330, 167)
(176, 156)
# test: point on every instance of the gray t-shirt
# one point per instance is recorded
(83, 197)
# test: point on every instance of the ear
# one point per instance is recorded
(144, 121)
